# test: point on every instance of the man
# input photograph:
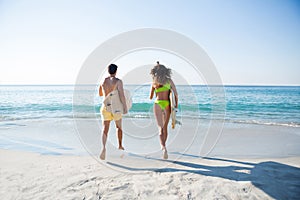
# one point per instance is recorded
(112, 90)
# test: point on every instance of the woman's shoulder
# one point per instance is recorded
(156, 85)
(171, 81)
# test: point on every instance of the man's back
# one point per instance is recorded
(109, 84)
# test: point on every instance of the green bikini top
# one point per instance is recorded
(163, 88)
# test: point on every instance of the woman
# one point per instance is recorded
(161, 86)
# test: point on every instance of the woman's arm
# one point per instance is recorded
(151, 92)
(173, 87)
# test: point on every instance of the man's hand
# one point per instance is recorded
(125, 111)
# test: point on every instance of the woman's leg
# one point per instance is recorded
(166, 116)
(162, 118)
(165, 130)
(160, 123)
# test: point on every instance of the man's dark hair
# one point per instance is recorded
(112, 68)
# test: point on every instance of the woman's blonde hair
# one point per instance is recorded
(160, 74)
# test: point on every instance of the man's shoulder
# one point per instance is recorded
(103, 81)
(108, 79)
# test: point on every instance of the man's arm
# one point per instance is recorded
(122, 96)
(100, 91)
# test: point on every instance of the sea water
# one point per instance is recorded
(40, 118)
(268, 105)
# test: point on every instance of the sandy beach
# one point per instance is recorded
(261, 162)
(34, 176)
(233, 64)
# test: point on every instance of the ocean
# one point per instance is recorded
(266, 105)
(65, 119)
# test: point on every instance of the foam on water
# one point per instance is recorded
(244, 104)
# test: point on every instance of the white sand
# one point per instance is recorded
(255, 162)
(33, 176)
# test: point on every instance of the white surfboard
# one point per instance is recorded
(173, 109)
(128, 99)
(113, 103)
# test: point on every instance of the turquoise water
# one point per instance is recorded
(268, 105)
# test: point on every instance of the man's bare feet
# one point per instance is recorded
(165, 153)
(121, 148)
(102, 155)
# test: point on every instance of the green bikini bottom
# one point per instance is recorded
(163, 103)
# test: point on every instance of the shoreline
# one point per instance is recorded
(235, 140)
(247, 162)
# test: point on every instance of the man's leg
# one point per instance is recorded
(119, 133)
(104, 138)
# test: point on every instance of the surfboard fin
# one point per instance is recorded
(178, 122)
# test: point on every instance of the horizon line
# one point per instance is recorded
(212, 85)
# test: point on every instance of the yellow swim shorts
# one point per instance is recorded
(108, 116)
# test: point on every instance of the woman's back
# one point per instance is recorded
(162, 91)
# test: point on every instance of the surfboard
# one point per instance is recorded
(128, 99)
(113, 102)
(173, 109)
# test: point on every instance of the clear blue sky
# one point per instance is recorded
(250, 41)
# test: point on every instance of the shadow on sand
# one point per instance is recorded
(280, 181)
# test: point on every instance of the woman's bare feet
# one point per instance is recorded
(121, 148)
(102, 155)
